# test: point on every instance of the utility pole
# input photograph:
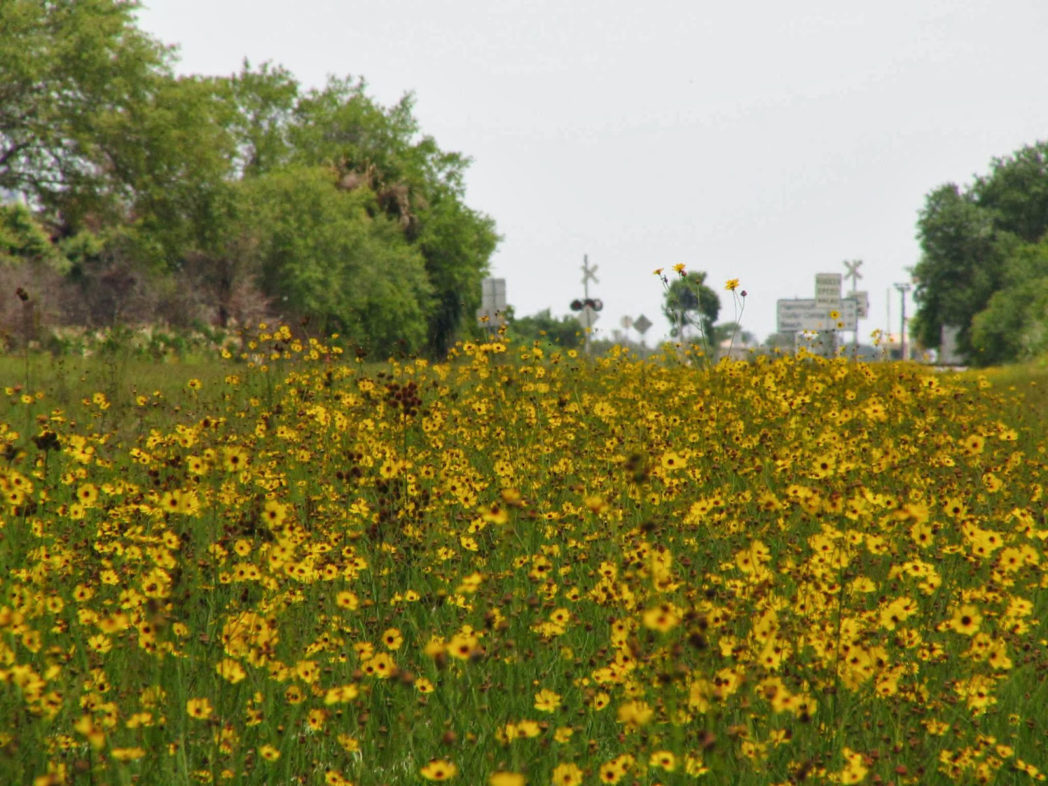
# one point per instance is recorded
(903, 289)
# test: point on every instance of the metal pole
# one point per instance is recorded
(888, 322)
(585, 294)
(902, 325)
(903, 289)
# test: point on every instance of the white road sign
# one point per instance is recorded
(862, 302)
(493, 301)
(793, 316)
(828, 289)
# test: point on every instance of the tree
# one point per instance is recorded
(1016, 191)
(64, 68)
(1014, 324)
(961, 266)
(265, 101)
(416, 184)
(173, 157)
(324, 256)
(543, 327)
(688, 301)
(23, 239)
(143, 176)
(975, 246)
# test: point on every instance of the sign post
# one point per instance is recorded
(827, 313)
(589, 306)
(852, 266)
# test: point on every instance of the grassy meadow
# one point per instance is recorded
(520, 566)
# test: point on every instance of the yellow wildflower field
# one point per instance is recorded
(519, 567)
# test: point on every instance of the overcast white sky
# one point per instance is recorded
(757, 139)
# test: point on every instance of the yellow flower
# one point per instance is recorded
(661, 618)
(679, 268)
(346, 600)
(462, 646)
(230, 670)
(635, 714)
(616, 769)
(563, 734)
(87, 494)
(127, 754)
(439, 770)
(274, 513)
(664, 759)
(200, 709)
(380, 665)
(269, 753)
(657, 271)
(732, 284)
(966, 620)
(316, 719)
(234, 459)
(566, 775)
(600, 701)
(547, 701)
(671, 460)
(340, 694)
(506, 779)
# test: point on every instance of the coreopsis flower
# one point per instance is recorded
(439, 770)
(547, 701)
(664, 759)
(566, 775)
(200, 708)
(966, 619)
(634, 714)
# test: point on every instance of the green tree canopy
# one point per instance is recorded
(214, 177)
(545, 328)
(689, 301)
(327, 258)
(23, 239)
(1014, 324)
(64, 69)
(980, 252)
(415, 183)
(962, 264)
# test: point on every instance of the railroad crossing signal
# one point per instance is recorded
(588, 273)
(853, 271)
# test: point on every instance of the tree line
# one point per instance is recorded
(983, 268)
(146, 195)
